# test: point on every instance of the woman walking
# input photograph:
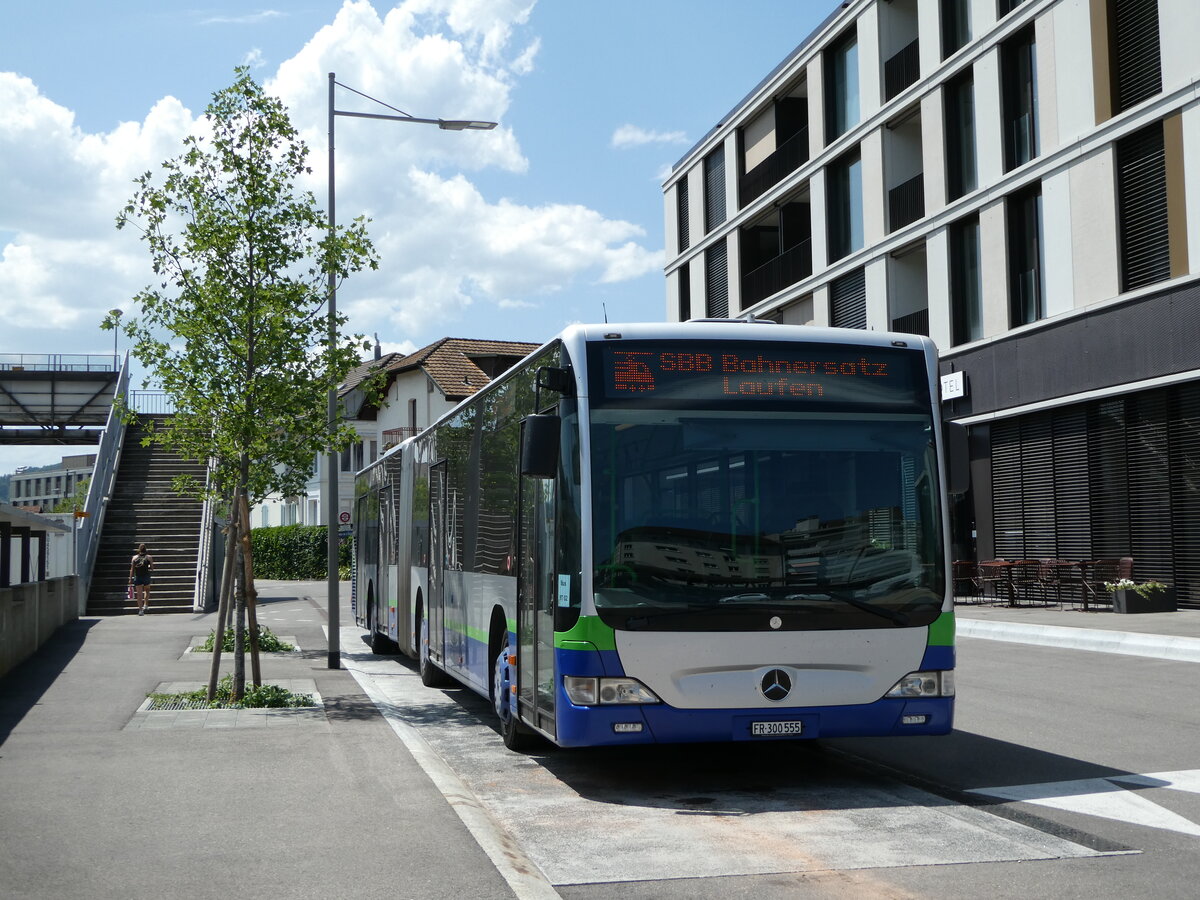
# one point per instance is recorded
(140, 568)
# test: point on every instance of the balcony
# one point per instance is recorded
(787, 158)
(913, 323)
(906, 202)
(786, 269)
(393, 436)
(901, 70)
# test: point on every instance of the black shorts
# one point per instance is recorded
(141, 579)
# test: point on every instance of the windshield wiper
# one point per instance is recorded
(898, 617)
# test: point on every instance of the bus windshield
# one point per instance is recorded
(758, 519)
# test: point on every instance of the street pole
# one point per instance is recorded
(331, 476)
(331, 463)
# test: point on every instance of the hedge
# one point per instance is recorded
(294, 553)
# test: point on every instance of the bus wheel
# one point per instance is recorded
(379, 643)
(431, 675)
(517, 737)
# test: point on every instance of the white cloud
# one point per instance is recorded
(633, 136)
(449, 253)
(265, 15)
(254, 58)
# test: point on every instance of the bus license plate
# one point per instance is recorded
(775, 729)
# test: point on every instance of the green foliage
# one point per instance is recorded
(235, 331)
(1143, 590)
(78, 500)
(262, 696)
(268, 642)
(295, 553)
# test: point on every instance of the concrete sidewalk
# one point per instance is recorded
(102, 800)
(1174, 636)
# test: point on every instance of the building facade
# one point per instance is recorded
(41, 489)
(418, 388)
(1020, 180)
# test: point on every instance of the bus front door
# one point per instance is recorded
(536, 593)
(437, 560)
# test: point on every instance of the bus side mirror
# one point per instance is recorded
(539, 446)
(958, 457)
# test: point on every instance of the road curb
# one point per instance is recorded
(1128, 643)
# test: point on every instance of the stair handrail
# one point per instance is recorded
(204, 552)
(100, 488)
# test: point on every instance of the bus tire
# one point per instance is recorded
(431, 675)
(378, 642)
(517, 737)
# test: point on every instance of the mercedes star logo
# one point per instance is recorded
(776, 685)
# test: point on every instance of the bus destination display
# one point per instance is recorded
(759, 371)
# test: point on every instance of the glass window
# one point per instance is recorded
(959, 100)
(845, 206)
(1025, 288)
(841, 87)
(708, 521)
(966, 287)
(714, 189)
(682, 215)
(956, 25)
(1018, 80)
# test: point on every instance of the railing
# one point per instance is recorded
(913, 323)
(901, 70)
(393, 436)
(100, 489)
(906, 202)
(151, 403)
(785, 269)
(204, 555)
(58, 362)
(786, 158)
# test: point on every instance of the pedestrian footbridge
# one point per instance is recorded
(56, 398)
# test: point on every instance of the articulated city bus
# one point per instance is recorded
(702, 531)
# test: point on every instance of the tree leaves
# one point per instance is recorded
(237, 330)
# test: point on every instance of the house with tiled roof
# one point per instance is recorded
(415, 389)
(432, 381)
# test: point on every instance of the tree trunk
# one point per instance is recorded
(239, 623)
(251, 592)
(223, 607)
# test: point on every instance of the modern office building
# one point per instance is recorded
(1021, 182)
(43, 488)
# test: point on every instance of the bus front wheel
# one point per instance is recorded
(517, 737)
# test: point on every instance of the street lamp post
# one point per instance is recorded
(116, 315)
(331, 475)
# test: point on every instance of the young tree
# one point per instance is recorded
(237, 332)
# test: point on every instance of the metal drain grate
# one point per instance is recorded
(157, 705)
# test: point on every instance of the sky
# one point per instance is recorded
(554, 217)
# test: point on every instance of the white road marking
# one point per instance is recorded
(1106, 798)
(607, 824)
(1186, 780)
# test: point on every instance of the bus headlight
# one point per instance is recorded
(596, 691)
(924, 684)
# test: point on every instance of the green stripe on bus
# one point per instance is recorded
(941, 632)
(590, 629)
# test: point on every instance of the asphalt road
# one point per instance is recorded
(1040, 792)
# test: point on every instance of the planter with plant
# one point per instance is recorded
(1149, 596)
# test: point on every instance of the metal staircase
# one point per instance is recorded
(144, 509)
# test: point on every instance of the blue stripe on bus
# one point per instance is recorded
(937, 658)
(579, 726)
